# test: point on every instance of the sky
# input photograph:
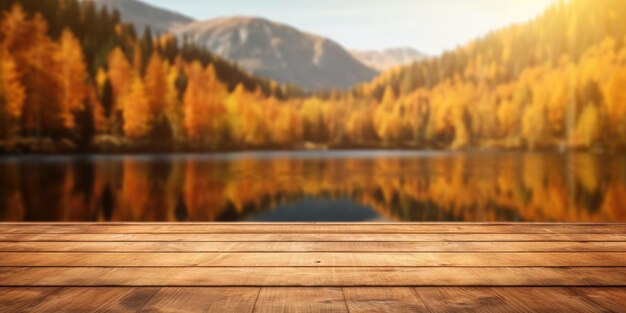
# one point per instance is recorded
(430, 26)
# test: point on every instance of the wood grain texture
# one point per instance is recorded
(314, 237)
(21, 299)
(313, 276)
(312, 259)
(279, 300)
(347, 228)
(312, 267)
(357, 299)
(462, 300)
(211, 299)
(548, 300)
(611, 299)
(97, 299)
(383, 299)
(272, 247)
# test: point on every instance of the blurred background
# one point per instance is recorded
(333, 110)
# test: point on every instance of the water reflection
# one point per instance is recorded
(348, 186)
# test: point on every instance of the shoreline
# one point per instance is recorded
(329, 151)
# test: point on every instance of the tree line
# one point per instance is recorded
(78, 78)
(73, 77)
(552, 82)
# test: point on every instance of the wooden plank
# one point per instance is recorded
(277, 300)
(363, 246)
(465, 300)
(612, 299)
(20, 299)
(416, 228)
(547, 300)
(383, 299)
(313, 237)
(312, 259)
(202, 299)
(96, 299)
(313, 276)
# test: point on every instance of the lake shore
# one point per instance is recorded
(64, 147)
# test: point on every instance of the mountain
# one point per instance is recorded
(278, 51)
(389, 58)
(141, 15)
(262, 47)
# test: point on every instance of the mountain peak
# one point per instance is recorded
(278, 51)
(142, 14)
(261, 46)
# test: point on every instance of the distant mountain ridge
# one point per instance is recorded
(385, 59)
(262, 47)
(142, 14)
(279, 51)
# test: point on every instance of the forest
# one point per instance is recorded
(75, 79)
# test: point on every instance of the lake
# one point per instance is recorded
(339, 186)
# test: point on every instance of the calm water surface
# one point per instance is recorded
(316, 186)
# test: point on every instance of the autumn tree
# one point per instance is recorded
(173, 103)
(616, 104)
(533, 125)
(587, 129)
(195, 110)
(155, 83)
(136, 111)
(287, 128)
(235, 110)
(204, 104)
(387, 117)
(120, 76)
(72, 77)
(11, 96)
(313, 120)
(31, 48)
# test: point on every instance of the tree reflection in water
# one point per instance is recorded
(395, 186)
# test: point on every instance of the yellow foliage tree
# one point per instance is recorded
(235, 107)
(533, 125)
(312, 119)
(173, 107)
(616, 103)
(121, 76)
(387, 121)
(287, 125)
(136, 111)
(204, 104)
(155, 82)
(72, 76)
(587, 129)
(12, 96)
(27, 41)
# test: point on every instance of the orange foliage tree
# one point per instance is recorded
(136, 111)
(72, 77)
(11, 96)
(204, 104)
(155, 82)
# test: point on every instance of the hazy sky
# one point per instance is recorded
(427, 25)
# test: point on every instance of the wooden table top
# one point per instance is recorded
(312, 267)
